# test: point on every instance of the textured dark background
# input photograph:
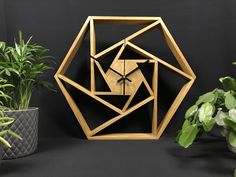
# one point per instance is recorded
(204, 31)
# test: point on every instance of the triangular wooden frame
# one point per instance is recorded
(152, 22)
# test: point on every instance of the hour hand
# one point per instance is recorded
(116, 72)
(124, 78)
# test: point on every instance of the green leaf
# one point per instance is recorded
(5, 142)
(207, 126)
(232, 138)
(186, 124)
(219, 118)
(229, 83)
(7, 72)
(188, 135)
(207, 97)
(14, 134)
(232, 114)
(191, 111)
(4, 121)
(178, 135)
(205, 112)
(230, 123)
(230, 101)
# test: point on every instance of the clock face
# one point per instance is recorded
(123, 78)
(119, 84)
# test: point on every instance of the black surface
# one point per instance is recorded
(72, 157)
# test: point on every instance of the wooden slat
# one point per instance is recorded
(174, 107)
(105, 93)
(155, 104)
(143, 30)
(103, 73)
(146, 84)
(109, 49)
(87, 92)
(118, 54)
(128, 102)
(149, 55)
(124, 136)
(92, 53)
(74, 48)
(176, 51)
(124, 19)
(141, 60)
(79, 116)
(122, 115)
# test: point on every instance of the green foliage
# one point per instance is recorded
(219, 118)
(207, 97)
(230, 101)
(23, 66)
(215, 107)
(5, 121)
(229, 83)
(205, 112)
(191, 111)
(188, 135)
(232, 138)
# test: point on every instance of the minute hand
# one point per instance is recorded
(138, 67)
(125, 76)
(131, 72)
(116, 72)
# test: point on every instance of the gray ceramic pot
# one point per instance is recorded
(25, 125)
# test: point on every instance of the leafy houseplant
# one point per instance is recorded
(217, 107)
(23, 65)
(5, 121)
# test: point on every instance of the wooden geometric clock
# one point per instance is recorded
(124, 76)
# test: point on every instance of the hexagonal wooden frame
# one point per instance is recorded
(151, 22)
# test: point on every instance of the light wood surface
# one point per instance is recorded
(120, 68)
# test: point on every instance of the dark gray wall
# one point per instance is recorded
(204, 30)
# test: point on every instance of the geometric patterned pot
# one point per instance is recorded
(25, 125)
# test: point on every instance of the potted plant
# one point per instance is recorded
(5, 121)
(23, 66)
(217, 107)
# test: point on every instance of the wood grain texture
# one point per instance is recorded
(92, 53)
(121, 68)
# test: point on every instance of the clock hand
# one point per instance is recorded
(93, 58)
(120, 75)
(125, 77)
(138, 67)
(116, 72)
